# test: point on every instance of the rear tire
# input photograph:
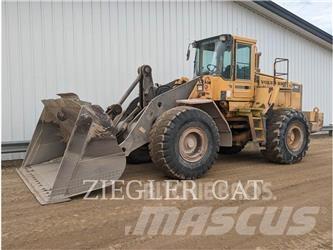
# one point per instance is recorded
(131, 106)
(184, 142)
(230, 150)
(287, 139)
(140, 155)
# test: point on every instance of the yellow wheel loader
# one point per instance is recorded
(181, 126)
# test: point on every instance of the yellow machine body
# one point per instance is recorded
(180, 126)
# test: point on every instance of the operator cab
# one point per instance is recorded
(225, 55)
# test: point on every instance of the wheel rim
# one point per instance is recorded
(193, 144)
(295, 137)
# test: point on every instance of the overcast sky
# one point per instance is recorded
(317, 12)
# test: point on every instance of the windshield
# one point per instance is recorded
(213, 58)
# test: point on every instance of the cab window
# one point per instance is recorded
(213, 57)
(226, 64)
(243, 59)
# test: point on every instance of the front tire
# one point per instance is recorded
(287, 139)
(184, 142)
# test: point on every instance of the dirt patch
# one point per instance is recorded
(101, 224)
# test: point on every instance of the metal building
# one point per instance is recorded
(94, 48)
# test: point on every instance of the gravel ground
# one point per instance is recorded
(100, 224)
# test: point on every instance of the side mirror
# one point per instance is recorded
(188, 53)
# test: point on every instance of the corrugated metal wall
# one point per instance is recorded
(94, 49)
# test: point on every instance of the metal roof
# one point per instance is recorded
(287, 19)
(284, 13)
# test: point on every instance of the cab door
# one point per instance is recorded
(243, 87)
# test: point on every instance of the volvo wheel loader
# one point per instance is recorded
(181, 126)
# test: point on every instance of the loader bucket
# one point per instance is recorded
(73, 146)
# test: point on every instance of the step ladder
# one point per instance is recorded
(257, 123)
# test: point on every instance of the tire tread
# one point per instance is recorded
(161, 132)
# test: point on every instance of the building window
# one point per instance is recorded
(243, 60)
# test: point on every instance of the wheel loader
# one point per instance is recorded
(181, 126)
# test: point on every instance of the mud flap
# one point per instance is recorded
(72, 146)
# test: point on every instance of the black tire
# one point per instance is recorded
(131, 106)
(279, 148)
(140, 155)
(162, 89)
(168, 130)
(230, 150)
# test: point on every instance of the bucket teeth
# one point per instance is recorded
(73, 142)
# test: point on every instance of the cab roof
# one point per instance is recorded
(236, 37)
